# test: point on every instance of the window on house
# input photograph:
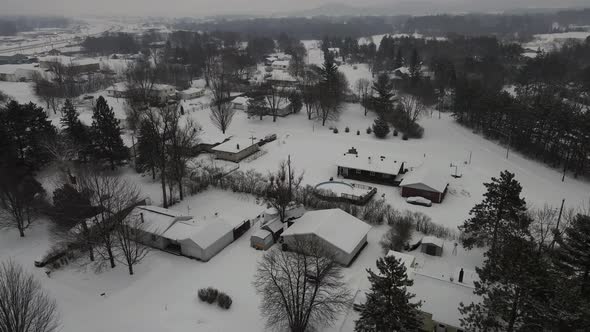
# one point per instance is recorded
(386, 176)
(372, 173)
(358, 171)
(154, 237)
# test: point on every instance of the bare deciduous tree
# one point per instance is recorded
(129, 232)
(21, 197)
(222, 115)
(183, 139)
(412, 108)
(221, 111)
(275, 96)
(301, 289)
(112, 196)
(24, 307)
(362, 87)
(283, 187)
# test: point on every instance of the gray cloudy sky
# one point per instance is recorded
(211, 7)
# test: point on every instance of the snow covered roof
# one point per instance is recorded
(335, 226)
(66, 60)
(241, 100)
(234, 145)
(432, 240)
(407, 260)
(119, 87)
(203, 232)
(212, 137)
(192, 90)
(426, 178)
(281, 63)
(279, 75)
(12, 68)
(261, 233)
(157, 220)
(385, 165)
(158, 87)
(274, 226)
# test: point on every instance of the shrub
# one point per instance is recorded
(405, 137)
(399, 234)
(208, 294)
(381, 128)
(224, 301)
(346, 130)
(369, 130)
(335, 130)
(358, 132)
(395, 132)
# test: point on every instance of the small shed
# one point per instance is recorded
(261, 239)
(425, 182)
(432, 246)
(235, 149)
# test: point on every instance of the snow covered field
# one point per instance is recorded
(549, 41)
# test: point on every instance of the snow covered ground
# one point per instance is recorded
(549, 41)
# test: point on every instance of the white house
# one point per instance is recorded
(117, 90)
(163, 91)
(341, 233)
(175, 232)
(240, 103)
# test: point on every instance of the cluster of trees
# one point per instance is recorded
(535, 273)
(109, 43)
(546, 116)
(29, 141)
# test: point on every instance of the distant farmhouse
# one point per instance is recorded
(376, 169)
(184, 235)
(341, 233)
(78, 66)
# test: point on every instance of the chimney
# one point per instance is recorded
(238, 146)
(461, 275)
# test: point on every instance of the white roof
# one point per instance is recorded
(241, 100)
(202, 232)
(387, 165)
(425, 178)
(162, 87)
(12, 68)
(407, 260)
(261, 233)
(335, 226)
(433, 240)
(281, 63)
(156, 219)
(231, 146)
(192, 90)
(279, 75)
(274, 226)
(69, 60)
(120, 87)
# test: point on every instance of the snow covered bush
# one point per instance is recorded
(395, 132)
(335, 130)
(208, 294)
(405, 137)
(346, 130)
(369, 130)
(224, 301)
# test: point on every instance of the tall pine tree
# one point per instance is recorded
(574, 252)
(147, 148)
(106, 134)
(383, 100)
(500, 215)
(389, 305)
(74, 129)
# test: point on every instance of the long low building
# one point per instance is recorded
(175, 232)
(341, 233)
(235, 149)
(376, 169)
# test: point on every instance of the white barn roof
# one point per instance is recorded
(335, 226)
(432, 240)
(424, 178)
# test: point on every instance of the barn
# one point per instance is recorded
(343, 234)
(425, 182)
(235, 149)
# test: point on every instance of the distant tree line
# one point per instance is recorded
(11, 25)
(110, 43)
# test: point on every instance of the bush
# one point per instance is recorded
(369, 130)
(358, 132)
(224, 301)
(405, 137)
(381, 128)
(395, 132)
(346, 130)
(208, 294)
(335, 130)
(400, 232)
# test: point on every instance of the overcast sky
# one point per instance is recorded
(213, 7)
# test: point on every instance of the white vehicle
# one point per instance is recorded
(419, 201)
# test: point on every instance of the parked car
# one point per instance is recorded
(419, 201)
(270, 137)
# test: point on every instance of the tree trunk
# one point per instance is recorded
(180, 193)
(111, 256)
(130, 268)
(21, 231)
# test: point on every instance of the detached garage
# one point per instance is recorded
(340, 232)
(424, 182)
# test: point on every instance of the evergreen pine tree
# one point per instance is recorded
(415, 65)
(388, 306)
(574, 252)
(106, 134)
(74, 129)
(500, 215)
(399, 59)
(380, 127)
(147, 148)
(383, 101)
